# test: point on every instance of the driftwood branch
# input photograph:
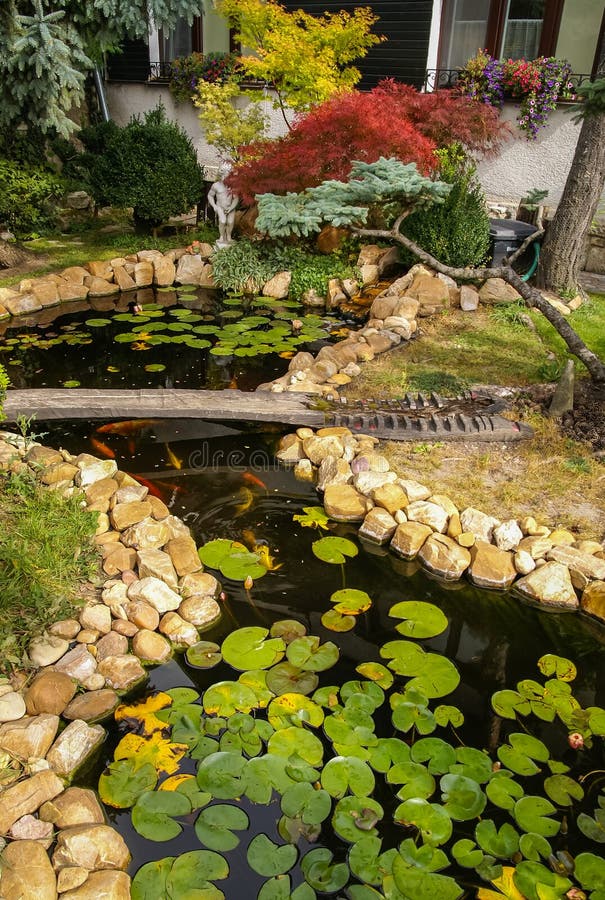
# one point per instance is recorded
(529, 240)
(531, 296)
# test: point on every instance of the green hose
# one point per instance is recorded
(534, 265)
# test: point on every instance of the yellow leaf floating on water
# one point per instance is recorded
(175, 781)
(144, 713)
(163, 754)
(505, 884)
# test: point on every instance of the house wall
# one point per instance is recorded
(580, 24)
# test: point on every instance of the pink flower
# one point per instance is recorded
(575, 741)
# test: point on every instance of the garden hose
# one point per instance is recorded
(534, 265)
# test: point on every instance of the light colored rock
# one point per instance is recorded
(100, 287)
(466, 539)
(101, 490)
(124, 627)
(27, 797)
(199, 583)
(536, 545)
(333, 470)
(73, 747)
(390, 496)
(524, 562)
(109, 884)
(379, 526)
(304, 471)
(123, 280)
(157, 564)
(151, 647)
(148, 534)
(12, 706)
(561, 537)
(71, 877)
(29, 828)
(445, 503)
(481, 525)
(591, 547)
(469, 298)
(119, 560)
(21, 304)
(142, 614)
(278, 286)
(93, 847)
(46, 293)
(587, 564)
(128, 493)
(75, 274)
(50, 692)
(550, 586)
(344, 504)
(27, 873)
(92, 469)
(29, 737)
(409, 538)
(496, 290)
(164, 271)
(96, 617)
(414, 490)
(184, 556)
(100, 268)
(201, 611)
(291, 452)
(444, 557)
(593, 600)
(318, 448)
(431, 514)
(92, 706)
(178, 631)
(58, 472)
(123, 515)
(122, 672)
(43, 456)
(77, 663)
(507, 535)
(46, 650)
(370, 461)
(111, 644)
(367, 482)
(189, 269)
(155, 592)
(491, 567)
(66, 628)
(143, 274)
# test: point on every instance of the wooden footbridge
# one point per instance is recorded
(412, 417)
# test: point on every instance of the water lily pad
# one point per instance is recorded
(536, 882)
(191, 874)
(221, 774)
(203, 655)
(293, 829)
(154, 812)
(297, 741)
(226, 697)
(355, 817)
(347, 773)
(422, 620)
(285, 677)
(270, 859)
(365, 694)
(432, 820)
(590, 871)
(335, 621)
(463, 798)
(294, 709)
(407, 658)
(334, 549)
(288, 630)
(466, 853)
(448, 715)
(97, 323)
(473, 763)
(533, 846)
(502, 842)
(387, 753)
(304, 801)
(563, 790)
(155, 367)
(250, 648)
(310, 654)
(150, 880)
(312, 517)
(593, 828)
(376, 672)
(161, 752)
(438, 678)
(439, 753)
(215, 826)
(531, 814)
(508, 703)
(520, 753)
(321, 874)
(415, 884)
(277, 888)
(124, 781)
(559, 666)
(503, 790)
(350, 601)
(263, 775)
(143, 713)
(71, 384)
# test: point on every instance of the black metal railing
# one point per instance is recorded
(436, 79)
(160, 71)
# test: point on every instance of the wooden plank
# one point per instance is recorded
(261, 406)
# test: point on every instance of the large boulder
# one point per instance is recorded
(443, 556)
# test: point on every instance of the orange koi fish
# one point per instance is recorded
(265, 558)
(131, 426)
(102, 449)
(249, 478)
(173, 459)
(247, 501)
(153, 490)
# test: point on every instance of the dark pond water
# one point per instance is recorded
(192, 339)
(230, 486)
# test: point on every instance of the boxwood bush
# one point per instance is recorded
(28, 197)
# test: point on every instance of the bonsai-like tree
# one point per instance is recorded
(393, 190)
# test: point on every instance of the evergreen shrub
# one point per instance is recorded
(28, 197)
(150, 165)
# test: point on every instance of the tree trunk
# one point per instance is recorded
(12, 255)
(564, 246)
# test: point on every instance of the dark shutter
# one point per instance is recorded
(132, 64)
(404, 23)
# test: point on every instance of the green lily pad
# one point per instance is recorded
(97, 323)
(321, 874)
(71, 384)
(533, 846)
(221, 774)
(376, 672)
(408, 714)
(536, 882)
(203, 655)
(466, 853)
(415, 884)
(284, 678)
(335, 621)
(292, 830)
(388, 752)
(270, 859)
(347, 773)
(593, 828)
(124, 782)
(508, 703)
(334, 549)
(531, 814)
(263, 775)
(354, 817)
(520, 753)
(153, 814)
(215, 826)
(294, 709)
(422, 620)
(312, 517)
(155, 367)
(226, 697)
(256, 680)
(191, 873)
(432, 820)
(503, 790)
(305, 802)
(559, 666)
(415, 779)
(297, 741)
(473, 763)
(351, 602)
(277, 888)
(502, 843)
(448, 715)
(366, 694)
(463, 797)
(150, 880)
(310, 654)
(563, 790)
(438, 678)
(250, 648)
(440, 755)
(407, 658)
(590, 871)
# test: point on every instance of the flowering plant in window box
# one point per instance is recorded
(538, 84)
(187, 71)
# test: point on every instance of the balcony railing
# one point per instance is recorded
(436, 79)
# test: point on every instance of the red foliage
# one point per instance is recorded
(392, 120)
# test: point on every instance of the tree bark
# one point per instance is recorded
(531, 295)
(12, 255)
(564, 246)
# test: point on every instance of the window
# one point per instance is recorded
(181, 41)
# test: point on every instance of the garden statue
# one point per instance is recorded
(224, 202)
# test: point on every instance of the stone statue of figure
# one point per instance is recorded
(224, 202)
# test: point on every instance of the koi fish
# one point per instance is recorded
(153, 490)
(232, 386)
(102, 449)
(249, 478)
(265, 558)
(131, 447)
(177, 488)
(247, 501)
(131, 426)
(173, 459)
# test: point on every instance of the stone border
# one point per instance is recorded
(155, 599)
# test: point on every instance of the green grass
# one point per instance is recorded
(58, 251)
(45, 554)
(588, 321)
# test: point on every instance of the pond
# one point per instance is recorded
(225, 483)
(178, 338)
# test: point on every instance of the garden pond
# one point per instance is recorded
(183, 337)
(368, 761)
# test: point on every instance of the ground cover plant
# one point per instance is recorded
(46, 553)
(367, 782)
